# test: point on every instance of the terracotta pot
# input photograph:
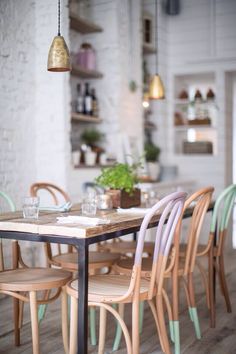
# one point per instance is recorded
(122, 199)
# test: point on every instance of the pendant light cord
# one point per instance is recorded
(156, 33)
(59, 18)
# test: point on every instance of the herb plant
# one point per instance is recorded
(152, 152)
(120, 176)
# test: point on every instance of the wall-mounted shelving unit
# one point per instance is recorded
(194, 119)
(148, 49)
(84, 73)
(85, 118)
(82, 25)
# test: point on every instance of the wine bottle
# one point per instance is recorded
(87, 100)
(80, 100)
(94, 103)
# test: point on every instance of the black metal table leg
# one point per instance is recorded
(82, 334)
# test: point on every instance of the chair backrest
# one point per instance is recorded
(200, 200)
(51, 188)
(221, 214)
(171, 208)
(9, 201)
(54, 191)
(88, 186)
(12, 207)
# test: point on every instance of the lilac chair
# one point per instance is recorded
(105, 290)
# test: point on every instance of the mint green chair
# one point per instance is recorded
(9, 201)
(215, 249)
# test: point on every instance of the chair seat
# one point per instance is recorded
(125, 247)
(30, 279)
(96, 260)
(108, 288)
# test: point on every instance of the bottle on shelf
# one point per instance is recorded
(80, 100)
(87, 100)
(94, 103)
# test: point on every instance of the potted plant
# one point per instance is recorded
(120, 180)
(92, 138)
(152, 153)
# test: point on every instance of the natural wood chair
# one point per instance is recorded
(24, 284)
(184, 268)
(214, 250)
(105, 290)
(68, 260)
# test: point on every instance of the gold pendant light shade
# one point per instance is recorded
(58, 56)
(156, 88)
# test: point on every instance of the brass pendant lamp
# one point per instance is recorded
(58, 56)
(156, 87)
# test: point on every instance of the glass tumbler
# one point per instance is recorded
(30, 207)
(89, 206)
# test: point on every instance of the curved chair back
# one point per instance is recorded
(222, 212)
(171, 208)
(200, 201)
(51, 188)
(12, 206)
(92, 186)
(9, 201)
(54, 191)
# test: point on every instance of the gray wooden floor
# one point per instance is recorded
(221, 340)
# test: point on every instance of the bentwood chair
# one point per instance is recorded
(105, 290)
(181, 267)
(25, 284)
(214, 250)
(68, 260)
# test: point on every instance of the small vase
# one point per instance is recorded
(154, 170)
(90, 158)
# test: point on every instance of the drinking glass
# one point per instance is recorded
(30, 207)
(89, 205)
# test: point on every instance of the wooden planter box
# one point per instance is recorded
(122, 199)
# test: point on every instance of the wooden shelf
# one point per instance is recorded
(82, 25)
(148, 49)
(85, 74)
(92, 166)
(194, 126)
(85, 118)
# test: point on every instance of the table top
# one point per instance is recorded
(47, 224)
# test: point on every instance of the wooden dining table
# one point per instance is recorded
(47, 229)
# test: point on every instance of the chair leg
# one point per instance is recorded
(154, 312)
(118, 334)
(192, 308)
(224, 283)
(64, 319)
(34, 322)
(92, 320)
(135, 326)
(73, 325)
(161, 321)
(141, 315)
(16, 311)
(211, 277)
(102, 330)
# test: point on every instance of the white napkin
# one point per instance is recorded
(64, 207)
(82, 220)
(134, 210)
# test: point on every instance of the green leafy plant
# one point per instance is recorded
(152, 152)
(120, 176)
(92, 137)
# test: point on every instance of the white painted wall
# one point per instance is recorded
(202, 39)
